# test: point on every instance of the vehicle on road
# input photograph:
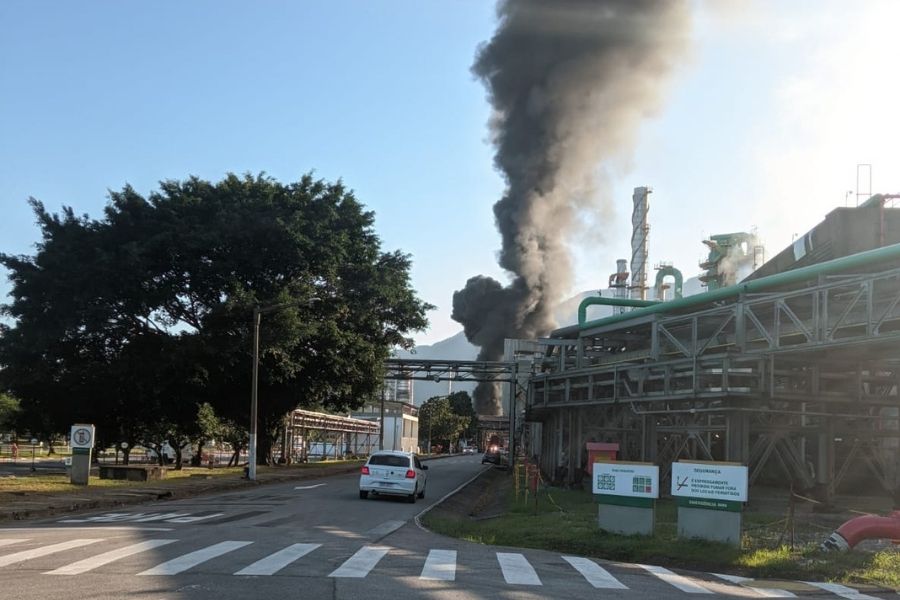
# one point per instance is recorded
(491, 455)
(469, 450)
(393, 473)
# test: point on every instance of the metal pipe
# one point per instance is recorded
(600, 300)
(755, 410)
(861, 259)
(679, 280)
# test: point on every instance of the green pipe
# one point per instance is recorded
(592, 300)
(861, 259)
(661, 274)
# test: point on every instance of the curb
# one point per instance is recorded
(417, 518)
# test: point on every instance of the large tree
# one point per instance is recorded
(139, 318)
(439, 424)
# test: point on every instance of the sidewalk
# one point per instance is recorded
(19, 505)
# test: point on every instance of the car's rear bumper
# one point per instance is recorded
(396, 488)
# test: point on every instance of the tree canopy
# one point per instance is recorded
(135, 320)
(445, 419)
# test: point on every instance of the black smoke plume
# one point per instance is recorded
(569, 81)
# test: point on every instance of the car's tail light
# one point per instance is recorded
(410, 474)
(365, 470)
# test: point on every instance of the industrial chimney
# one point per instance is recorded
(639, 233)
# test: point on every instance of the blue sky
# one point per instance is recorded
(762, 127)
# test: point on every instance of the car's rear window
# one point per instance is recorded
(389, 460)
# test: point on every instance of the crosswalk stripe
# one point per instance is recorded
(765, 592)
(361, 563)
(517, 570)
(9, 542)
(279, 560)
(841, 590)
(596, 575)
(89, 564)
(385, 528)
(440, 565)
(192, 559)
(10, 559)
(679, 581)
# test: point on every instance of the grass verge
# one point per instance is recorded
(50, 484)
(566, 521)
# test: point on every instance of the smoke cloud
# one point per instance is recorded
(569, 81)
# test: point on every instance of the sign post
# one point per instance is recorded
(710, 497)
(81, 441)
(627, 494)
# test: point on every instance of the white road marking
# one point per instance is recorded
(10, 542)
(161, 517)
(679, 581)
(89, 564)
(361, 563)
(192, 559)
(309, 487)
(596, 575)
(517, 570)
(194, 519)
(385, 528)
(279, 560)
(440, 565)
(10, 559)
(841, 590)
(766, 592)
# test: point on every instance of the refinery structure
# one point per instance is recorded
(790, 366)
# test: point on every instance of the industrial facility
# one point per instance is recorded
(790, 366)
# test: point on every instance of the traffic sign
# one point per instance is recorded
(82, 436)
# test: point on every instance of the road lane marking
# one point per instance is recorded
(89, 564)
(279, 560)
(517, 570)
(162, 517)
(679, 581)
(841, 590)
(10, 559)
(361, 563)
(440, 565)
(765, 592)
(596, 575)
(309, 487)
(194, 519)
(192, 559)
(10, 542)
(385, 528)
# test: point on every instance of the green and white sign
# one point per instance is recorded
(711, 481)
(626, 479)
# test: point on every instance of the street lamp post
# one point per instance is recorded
(257, 320)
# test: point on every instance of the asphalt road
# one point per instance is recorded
(312, 539)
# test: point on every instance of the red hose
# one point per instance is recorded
(862, 528)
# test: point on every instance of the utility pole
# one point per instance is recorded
(381, 437)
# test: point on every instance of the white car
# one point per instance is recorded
(393, 473)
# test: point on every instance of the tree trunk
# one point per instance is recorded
(126, 455)
(197, 459)
(179, 457)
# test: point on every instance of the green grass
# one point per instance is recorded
(59, 483)
(566, 521)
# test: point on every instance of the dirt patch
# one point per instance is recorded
(483, 498)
